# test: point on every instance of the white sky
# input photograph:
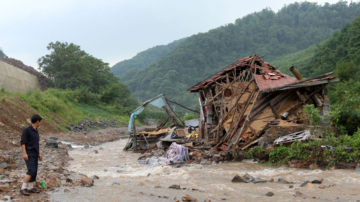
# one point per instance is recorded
(113, 30)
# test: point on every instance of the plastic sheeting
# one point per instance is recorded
(177, 153)
(158, 102)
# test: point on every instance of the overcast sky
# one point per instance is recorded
(113, 30)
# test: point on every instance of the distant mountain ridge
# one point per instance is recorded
(294, 28)
(142, 60)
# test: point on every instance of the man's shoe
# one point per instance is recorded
(33, 190)
(24, 192)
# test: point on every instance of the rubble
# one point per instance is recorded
(89, 125)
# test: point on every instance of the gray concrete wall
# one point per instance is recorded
(15, 80)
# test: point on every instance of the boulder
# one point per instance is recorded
(317, 181)
(239, 179)
(87, 181)
(301, 195)
(304, 184)
(4, 188)
(52, 143)
(313, 166)
(52, 181)
(4, 165)
(189, 198)
(174, 187)
(310, 185)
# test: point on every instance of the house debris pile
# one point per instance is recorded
(248, 103)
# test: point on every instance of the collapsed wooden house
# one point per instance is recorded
(241, 100)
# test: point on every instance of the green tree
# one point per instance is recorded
(2, 54)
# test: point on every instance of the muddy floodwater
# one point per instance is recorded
(122, 178)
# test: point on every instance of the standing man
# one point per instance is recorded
(30, 147)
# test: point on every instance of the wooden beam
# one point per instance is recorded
(237, 138)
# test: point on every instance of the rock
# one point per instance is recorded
(357, 169)
(157, 187)
(66, 190)
(317, 181)
(4, 165)
(4, 188)
(52, 143)
(313, 166)
(54, 138)
(310, 185)
(96, 151)
(239, 179)
(1, 170)
(271, 180)
(291, 186)
(301, 195)
(96, 177)
(148, 174)
(86, 146)
(249, 178)
(120, 171)
(52, 181)
(289, 179)
(270, 194)
(188, 198)
(322, 187)
(101, 148)
(1, 197)
(174, 187)
(87, 181)
(68, 180)
(2, 177)
(304, 184)
(115, 183)
(141, 184)
(281, 180)
(105, 170)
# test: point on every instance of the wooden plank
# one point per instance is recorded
(277, 116)
(237, 138)
(183, 106)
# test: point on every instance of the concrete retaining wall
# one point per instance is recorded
(15, 80)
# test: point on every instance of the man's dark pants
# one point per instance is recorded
(32, 163)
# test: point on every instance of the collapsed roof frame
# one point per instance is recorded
(266, 88)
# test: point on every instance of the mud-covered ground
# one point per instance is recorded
(52, 168)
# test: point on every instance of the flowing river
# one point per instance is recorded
(138, 182)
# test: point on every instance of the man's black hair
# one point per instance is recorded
(36, 118)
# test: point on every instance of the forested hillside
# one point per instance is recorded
(293, 28)
(340, 54)
(125, 69)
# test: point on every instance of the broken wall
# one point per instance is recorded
(15, 80)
